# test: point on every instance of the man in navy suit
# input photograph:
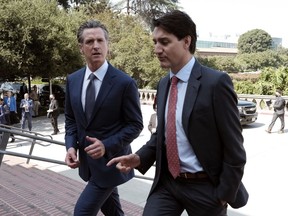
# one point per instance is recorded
(206, 170)
(115, 121)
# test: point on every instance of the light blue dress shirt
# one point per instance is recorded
(188, 159)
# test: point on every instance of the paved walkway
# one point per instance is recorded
(265, 173)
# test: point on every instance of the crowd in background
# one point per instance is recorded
(21, 106)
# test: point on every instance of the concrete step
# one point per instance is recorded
(30, 190)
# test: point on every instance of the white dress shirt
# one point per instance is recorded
(100, 74)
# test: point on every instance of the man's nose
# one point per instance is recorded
(157, 48)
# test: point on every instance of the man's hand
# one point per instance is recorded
(71, 158)
(125, 163)
(96, 149)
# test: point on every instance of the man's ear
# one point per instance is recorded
(187, 41)
(80, 48)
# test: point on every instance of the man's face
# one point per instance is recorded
(171, 52)
(94, 47)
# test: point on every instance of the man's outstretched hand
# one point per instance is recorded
(125, 163)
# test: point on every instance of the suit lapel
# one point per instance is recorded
(162, 94)
(106, 87)
(191, 94)
(77, 86)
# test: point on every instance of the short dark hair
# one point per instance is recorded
(180, 24)
(91, 24)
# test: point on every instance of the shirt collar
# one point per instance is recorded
(99, 73)
(184, 73)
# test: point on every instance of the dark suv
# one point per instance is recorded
(247, 111)
(44, 93)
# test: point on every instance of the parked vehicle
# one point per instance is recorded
(44, 93)
(248, 112)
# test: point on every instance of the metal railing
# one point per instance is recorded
(147, 97)
(33, 138)
(27, 137)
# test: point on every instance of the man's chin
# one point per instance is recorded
(164, 66)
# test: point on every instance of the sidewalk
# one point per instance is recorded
(265, 172)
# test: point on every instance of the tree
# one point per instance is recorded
(131, 48)
(148, 9)
(254, 41)
(37, 39)
(257, 61)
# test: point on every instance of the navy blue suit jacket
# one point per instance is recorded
(116, 121)
(210, 119)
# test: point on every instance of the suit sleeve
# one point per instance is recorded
(132, 124)
(230, 130)
(70, 122)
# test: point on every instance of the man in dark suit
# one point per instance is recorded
(53, 113)
(102, 129)
(279, 112)
(198, 117)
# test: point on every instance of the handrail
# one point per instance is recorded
(19, 131)
(32, 157)
(7, 130)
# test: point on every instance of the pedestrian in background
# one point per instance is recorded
(34, 96)
(27, 109)
(53, 113)
(198, 147)
(10, 108)
(102, 117)
(279, 112)
(153, 119)
(2, 112)
(10, 101)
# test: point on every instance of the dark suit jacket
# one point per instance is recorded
(279, 106)
(116, 121)
(210, 119)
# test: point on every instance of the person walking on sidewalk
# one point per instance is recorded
(198, 145)
(53, 113)
(27, 109)
(102, 117)
(279, 112)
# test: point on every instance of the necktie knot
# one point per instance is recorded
(92, 77)
(174, 80)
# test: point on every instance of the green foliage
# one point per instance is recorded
(148, 9)
(254, 41)
(36, 39)
(272, 79)
(221, 63)
(257, 61)
(244, 87)
(131, 48)
(264, 83)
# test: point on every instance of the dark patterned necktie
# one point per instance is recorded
(90, 96)
(171, 141)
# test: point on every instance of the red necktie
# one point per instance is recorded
(171, 142)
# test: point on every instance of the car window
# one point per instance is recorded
(45, 88)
